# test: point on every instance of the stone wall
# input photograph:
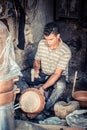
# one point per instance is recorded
(26, 20)
(35, 20)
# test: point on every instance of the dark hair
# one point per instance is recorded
(51, 28)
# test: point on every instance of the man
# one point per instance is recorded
(51, 64)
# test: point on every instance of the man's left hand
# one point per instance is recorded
(41, 90)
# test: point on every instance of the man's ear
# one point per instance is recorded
(58, 36)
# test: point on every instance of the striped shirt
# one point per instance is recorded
(51, 59)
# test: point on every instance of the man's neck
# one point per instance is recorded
(55, 46)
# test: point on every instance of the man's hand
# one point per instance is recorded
(41, 90)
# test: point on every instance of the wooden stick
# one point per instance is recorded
(74, 83)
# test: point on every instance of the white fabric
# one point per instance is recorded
(8, 67)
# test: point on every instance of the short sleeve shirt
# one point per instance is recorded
(51, 59)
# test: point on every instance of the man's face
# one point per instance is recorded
(52, 40)
(2, 36)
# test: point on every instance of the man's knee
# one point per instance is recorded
(61, 85)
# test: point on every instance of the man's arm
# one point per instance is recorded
(36, 66)
(53, 78)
